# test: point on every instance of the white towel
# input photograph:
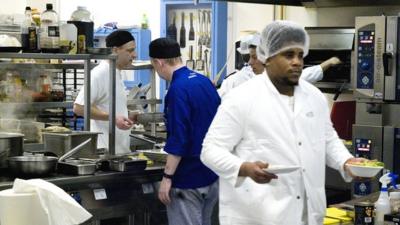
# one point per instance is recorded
(60, 207)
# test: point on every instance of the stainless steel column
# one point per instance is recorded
(112, 114)
(86, 85)
(131, 219)
(153, 96)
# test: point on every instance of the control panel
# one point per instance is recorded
(363, 148)
(365, 59)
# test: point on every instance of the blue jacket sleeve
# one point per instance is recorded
(178, 122)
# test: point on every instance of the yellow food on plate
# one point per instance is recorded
(369, 163)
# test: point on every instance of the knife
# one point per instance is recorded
(171, 31)
(191, 30)
(182, 37)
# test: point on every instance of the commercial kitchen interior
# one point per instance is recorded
(364, 116)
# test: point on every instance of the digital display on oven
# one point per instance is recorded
(363, 147)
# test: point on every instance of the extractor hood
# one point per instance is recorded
(321, 3)
(339, 3)
(271, 2)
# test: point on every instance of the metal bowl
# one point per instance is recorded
(34, 166)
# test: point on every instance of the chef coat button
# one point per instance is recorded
(299, 143)
(298, 197)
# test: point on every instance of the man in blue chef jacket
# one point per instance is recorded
(188, 189)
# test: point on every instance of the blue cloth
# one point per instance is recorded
(190, 106)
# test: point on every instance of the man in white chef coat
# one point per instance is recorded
(275, 119)
(123, 44)
(247, 49)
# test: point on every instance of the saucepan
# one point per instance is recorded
(38, 165)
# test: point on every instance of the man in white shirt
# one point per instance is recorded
(275, 120)
(123, 44)
(247, 49)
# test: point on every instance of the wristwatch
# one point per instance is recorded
(168, 176)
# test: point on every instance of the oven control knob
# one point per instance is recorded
(365, 66)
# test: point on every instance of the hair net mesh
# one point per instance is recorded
(246, 41)
(279, 36)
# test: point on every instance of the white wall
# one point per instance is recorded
(12, 6)
(243, 17)
(125, 12)
(330, 16)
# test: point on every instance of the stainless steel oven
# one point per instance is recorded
(377, 92)
(326, 42)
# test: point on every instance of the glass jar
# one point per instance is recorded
(81, 14)
(44, 84)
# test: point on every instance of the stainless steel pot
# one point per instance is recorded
(32, 166)
(11, 144)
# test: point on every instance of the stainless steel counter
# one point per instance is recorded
(150, 174)
(126, 197)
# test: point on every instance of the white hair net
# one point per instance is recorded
(246, 41)
(279, 36)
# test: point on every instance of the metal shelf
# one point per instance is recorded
(139, 65)
(55, 56)
(11, 65)
(144, 101)
(36, 105)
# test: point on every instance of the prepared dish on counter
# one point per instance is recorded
(368, 163)
(56, 129)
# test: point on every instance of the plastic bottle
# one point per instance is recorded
(44, 84)
(68, 37)
(25, 28)
(145, 21)
(81, 18)
(382, 205)
(49, 30)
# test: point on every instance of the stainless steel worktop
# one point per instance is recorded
(127, 195)
(150, 174)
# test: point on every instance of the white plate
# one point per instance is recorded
(275, 169)
(364, 171)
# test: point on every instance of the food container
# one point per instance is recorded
(127, 164)
(11, 144)
(77, 167)
(154, 117)
(392, 219)
(364, 213)
(60, 143)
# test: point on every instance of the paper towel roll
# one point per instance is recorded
(21, 209)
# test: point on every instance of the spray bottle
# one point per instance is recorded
(382, 206)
